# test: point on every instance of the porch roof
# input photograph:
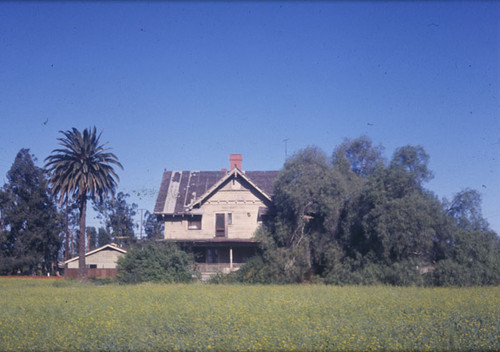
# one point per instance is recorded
(216, 242)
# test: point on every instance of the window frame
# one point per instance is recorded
(220, 225)
(194, 223)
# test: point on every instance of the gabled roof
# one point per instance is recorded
(181, 190)
(110, 246)
(233, 173)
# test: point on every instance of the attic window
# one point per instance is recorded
(194, 223)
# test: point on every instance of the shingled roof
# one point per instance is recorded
(180, 189)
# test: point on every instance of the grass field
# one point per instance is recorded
(65, 315)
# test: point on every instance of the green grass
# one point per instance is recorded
(65, 315)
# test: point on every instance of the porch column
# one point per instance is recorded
(230, 258)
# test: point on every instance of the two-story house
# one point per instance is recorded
(215, 213)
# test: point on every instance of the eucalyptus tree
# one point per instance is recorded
(358, 155)
(309, 196)
(414, 161)
(470, 253)
(358, 161)
(118, 216)
(465, 208)
(92, 237)
(152, 226)
(103, 237)
(82, 169)
(30, 226)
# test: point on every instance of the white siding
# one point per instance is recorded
(105, 259)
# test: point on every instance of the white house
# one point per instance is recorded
(215, 213)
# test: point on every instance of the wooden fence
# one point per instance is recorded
(91, 273)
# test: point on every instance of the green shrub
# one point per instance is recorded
(156, 262)
(223, 279)
(254, 271)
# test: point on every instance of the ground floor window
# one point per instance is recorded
(194, 223)
(222, 255)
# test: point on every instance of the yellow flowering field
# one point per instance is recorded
(60, 315)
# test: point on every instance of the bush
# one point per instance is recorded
(223, 279)
(277, 266)
(254, 271)
(156, 262)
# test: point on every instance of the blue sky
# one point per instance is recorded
(181, 85)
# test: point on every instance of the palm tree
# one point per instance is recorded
(81, 170)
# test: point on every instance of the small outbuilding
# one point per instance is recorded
(101, 262)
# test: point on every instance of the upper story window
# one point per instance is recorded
(222, 220)
(220, 225)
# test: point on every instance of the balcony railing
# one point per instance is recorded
(218, 267)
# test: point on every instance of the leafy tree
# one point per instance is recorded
(153, 227)
(118, 217)
(82, 169)
(474, 259)
(394, 223)
(359, 155)
(466, 210)
(4, 203)
(403, 228)
(309, 196)
(92, 234)
(31, 224)
(470, 254)
(103, 237)
(157, 262)
(69, 226)
(414, 160)
(360, 221)
(72, 223)
(357, 160)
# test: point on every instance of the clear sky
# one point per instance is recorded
(181, 85)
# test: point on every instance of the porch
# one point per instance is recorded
(219, 255)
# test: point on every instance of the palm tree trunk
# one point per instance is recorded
(82, 267)
(66, 229)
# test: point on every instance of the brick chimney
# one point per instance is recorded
(235, 161)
